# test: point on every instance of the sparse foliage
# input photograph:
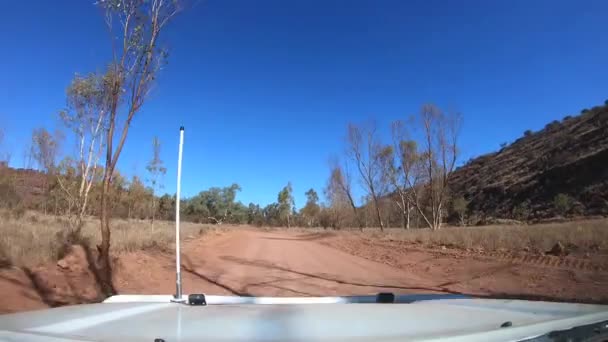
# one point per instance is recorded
(521, 211)
(156, 170)
(45, 149)
(286, 204)
(135, 28)
(86, 116)
(369, 156)
(459, 207)
(405, 173)
(562, 203)
(438, 155)
(137, 197)
(27, 154)
(339, 194)
(311, 210)
(6, 155)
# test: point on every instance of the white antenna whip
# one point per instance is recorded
(178, 274)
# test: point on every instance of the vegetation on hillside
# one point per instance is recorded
(557, 171)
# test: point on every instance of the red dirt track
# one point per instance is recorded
(288, 263)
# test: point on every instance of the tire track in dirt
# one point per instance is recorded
(566, 262)
(563, 262)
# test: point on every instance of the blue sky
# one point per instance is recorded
(265, 89)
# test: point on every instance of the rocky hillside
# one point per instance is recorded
(559, 170)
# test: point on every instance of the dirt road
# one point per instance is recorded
(260, 263)
(287, 263)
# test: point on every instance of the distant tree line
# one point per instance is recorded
(405, 182)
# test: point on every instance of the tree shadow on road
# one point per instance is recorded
(189, 268)
(326, 277)
(438, 288)
(274, 284)
(301, 237)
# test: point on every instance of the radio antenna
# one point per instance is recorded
(178, 273)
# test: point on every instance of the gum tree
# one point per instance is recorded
(135, 27)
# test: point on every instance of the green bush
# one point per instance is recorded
(562, 203)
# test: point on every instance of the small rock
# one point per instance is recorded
(75, 260)
(63, 264)
(557, 250)
(443, 248)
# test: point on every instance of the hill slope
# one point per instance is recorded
(23, 186)
(523, 179)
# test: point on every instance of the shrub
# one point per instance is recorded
(527, 133)
(562, 203)
(459, 209)
(522, 211)
(325, 219)
(552, 125)
(584, 111)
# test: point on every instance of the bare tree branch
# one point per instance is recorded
(367, 155)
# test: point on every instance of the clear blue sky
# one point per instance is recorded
(265, 89)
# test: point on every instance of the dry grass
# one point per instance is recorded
(35, 238)
(580, 235)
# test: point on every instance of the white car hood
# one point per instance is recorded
(146, 318)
